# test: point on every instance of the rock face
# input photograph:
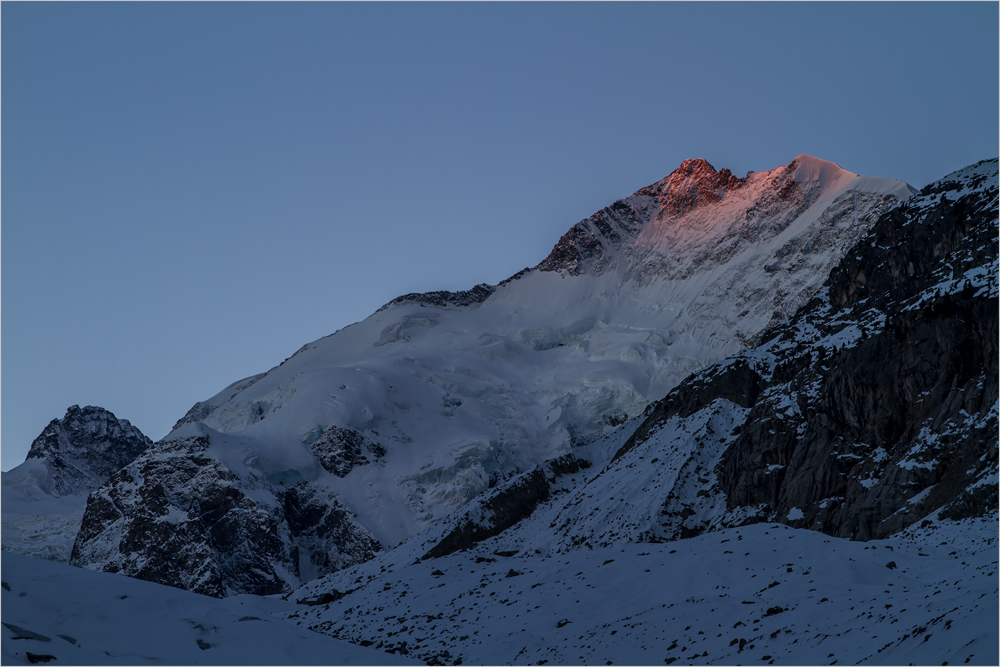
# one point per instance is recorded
(179, 517)
(44, 497)
(86, 447)
(881, 405)
(325, 533)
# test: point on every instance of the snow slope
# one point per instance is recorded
(79, 617)
(35, 522)
(463, 390)
(758, 594)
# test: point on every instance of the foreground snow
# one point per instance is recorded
(91, 618)
(764, 593)
(758, 594)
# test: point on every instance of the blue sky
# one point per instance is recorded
(191, 192)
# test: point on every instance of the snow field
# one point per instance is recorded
(81, 617)
(761, 594)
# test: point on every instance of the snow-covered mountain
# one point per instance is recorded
(876, 405)
(44, 497)
(848, 463)
(400, 419)
(491, 477)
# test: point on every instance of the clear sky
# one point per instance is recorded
(191, 192)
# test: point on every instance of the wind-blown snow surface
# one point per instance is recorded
(763, 593)
(77, 617)
(458, 391)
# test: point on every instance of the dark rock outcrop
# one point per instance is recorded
(462, 298)
(181, 518)
(177, 516)
(737, 382)
(339, 450)
(325, 533)
(504, 506)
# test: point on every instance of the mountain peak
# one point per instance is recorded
(696, 213)
(695, 165)
(694, 183)
(808, 169)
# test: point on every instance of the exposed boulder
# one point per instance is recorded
(339, 450)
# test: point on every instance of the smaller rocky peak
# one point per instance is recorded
(81, 426)
(86, 446)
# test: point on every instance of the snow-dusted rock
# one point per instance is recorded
(179, 515)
